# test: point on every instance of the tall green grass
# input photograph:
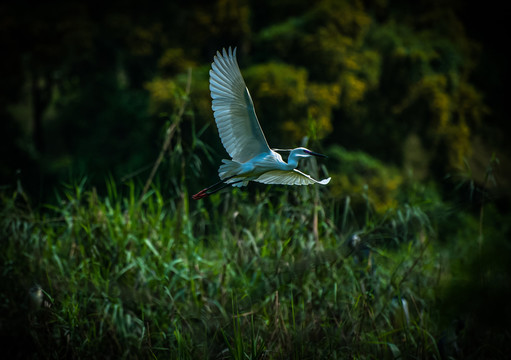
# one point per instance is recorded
(242, 275)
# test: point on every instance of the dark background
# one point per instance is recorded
(75, 99)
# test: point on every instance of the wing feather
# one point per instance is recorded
(294, 177)
(233, 109)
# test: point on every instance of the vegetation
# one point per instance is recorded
(108, 130)
(250, 276)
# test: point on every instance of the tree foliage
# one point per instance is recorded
(368, 75)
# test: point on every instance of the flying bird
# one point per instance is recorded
(242, 136)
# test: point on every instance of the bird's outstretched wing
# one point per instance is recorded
(294, 177)
(233, 108)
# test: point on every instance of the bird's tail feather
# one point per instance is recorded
(228, 169)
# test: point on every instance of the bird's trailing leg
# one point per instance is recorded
(207, 191)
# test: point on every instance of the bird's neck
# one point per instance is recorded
(292, 162)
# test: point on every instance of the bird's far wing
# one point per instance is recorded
(294, 177)
(233, 108)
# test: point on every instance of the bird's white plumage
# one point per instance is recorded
(233, 109)
(242, 137)
(294, 177)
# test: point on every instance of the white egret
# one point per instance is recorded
(242, 137)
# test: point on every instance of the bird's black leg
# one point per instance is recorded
(209, 192)
(206, 192)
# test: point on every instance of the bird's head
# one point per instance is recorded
(302, 152)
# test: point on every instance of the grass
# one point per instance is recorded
(270, 274)
(234, 278)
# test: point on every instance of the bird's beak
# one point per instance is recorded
(316, 154)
